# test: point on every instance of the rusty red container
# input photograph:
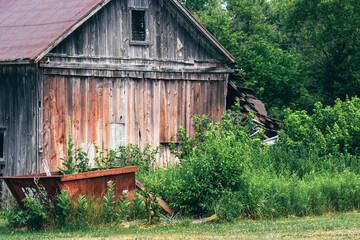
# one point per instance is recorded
(89, 184)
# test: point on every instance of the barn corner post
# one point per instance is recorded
(18, 120)
(39, 120)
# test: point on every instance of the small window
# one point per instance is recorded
(138, 25)
(2, 136)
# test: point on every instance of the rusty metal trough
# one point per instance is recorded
(88, 184)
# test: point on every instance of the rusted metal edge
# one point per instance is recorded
(77, 176)
(22, 177)
(96, 174)
(162, 203)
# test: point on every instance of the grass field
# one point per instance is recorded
(337, 226)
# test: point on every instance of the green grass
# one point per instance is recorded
(337, 226)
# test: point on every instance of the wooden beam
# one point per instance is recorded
(136, 68)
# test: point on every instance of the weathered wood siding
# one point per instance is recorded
(109, 112)
(107, 34)
(118, 92)
(19, 117)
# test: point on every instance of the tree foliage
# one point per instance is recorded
(327, 35)
(331, 130)
(293, 53)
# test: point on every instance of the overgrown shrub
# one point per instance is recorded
(137, 207)
(16, 217)
(151, 204)
(142, 157)
(313, 168)
(328, 131)
(210, 164)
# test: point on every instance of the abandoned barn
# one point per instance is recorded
(124, 71)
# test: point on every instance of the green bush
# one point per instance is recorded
(329, 130)
(313, 169)
(16, 217)
(35, 214)
(212, 163)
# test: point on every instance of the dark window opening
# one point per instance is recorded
(138, 28)
(1, 144)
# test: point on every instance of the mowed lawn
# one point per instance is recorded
(335, 226)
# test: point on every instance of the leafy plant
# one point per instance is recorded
(81, 211)
(123, 208)
(99, 158)
(137, 207)
(151, 204)
(69, 161)
(63, 208)
(82, 161)
(133, 155)
(36, 214)
(16, 217)
(109, 203)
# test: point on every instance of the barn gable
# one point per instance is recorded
(30, 29)
(167, 34)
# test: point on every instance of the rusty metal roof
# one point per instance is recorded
(28, 28)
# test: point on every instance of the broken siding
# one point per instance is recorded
(109, 112)
(19, 117)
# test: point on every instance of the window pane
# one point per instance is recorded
(138, 25)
